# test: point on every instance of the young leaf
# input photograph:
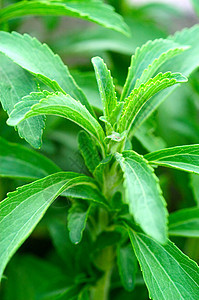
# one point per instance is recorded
(21, 211)
(88, 150)
(168, 273)
(77, 218)
(63, 106)
(15, 83)
(190, 59)
(140, 96)
(17, 161)
(39, 60)
(144, 195)
(127, 264)
(106, 87)
(184, 158)
(95, 11)
(147, 61)
(184, 222)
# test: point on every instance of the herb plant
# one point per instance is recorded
(117, 217)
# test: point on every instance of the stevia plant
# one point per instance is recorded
(118, 215)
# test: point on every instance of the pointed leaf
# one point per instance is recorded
(140, 96)
(17, 161)
(88, 150)
(15, 83)
(144, 195)
(184, 158)
(106, 87)
(77, 218)
(127, 264)
(184, 63)
(63, 106)
(95, 11)
(38, 59)
(168, 273)
(184, 222)
(147, 60)
(21, 211)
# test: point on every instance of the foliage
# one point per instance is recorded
(110, 211)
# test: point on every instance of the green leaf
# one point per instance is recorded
(42, 63)
(185, 158)
(106, 87)
(168, 273)
(21, 211)
(15, 83)
(63, 106)
(147, 60)
(184, 222)
(140, 96)
(77, 218)
(99, 171)
(95, 11)
(17, 161)
(190, 59)
(127, 264)
(143, 194)
(88, 150)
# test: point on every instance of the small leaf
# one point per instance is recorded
(63, 106)
(106, 87)
(190, 59)
(15, 83)
(77, 218)
(42, 63)
(147, 60)
(95, 11)
(17, 161)
(127, 264)
(88, 150)
(143, 194)
(140, 96)
(168, 273)
(184, 222)
(21, 211)
(184, 158)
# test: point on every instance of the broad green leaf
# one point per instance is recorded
(21, 211)
(95, 11)
(15, 83)
(61, 105)
(17, 161)
(127, 265)
(147, 60)
(39, 60)
(184, 222)
(140, 96)
(77, 218)
(184, 63)
(143, 194)
(168, 273)
(185, 158)
(106, 87)
(88, 150)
